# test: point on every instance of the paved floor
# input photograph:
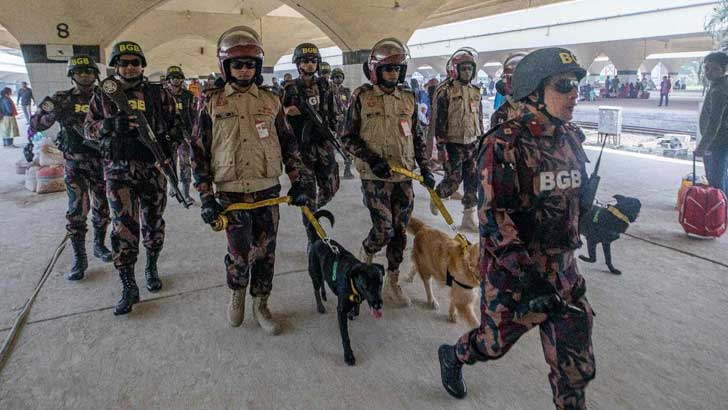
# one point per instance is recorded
(659, 336)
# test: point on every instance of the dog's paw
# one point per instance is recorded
(586, 259)
(350, 359)
(321, 309)
(433, 305)
(452, 318)
(615, 271)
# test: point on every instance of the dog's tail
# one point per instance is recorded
(415, 225)
(318, 215)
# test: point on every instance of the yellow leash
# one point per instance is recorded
(464, 243)
(222, 220)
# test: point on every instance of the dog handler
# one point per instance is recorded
(238, 144)
(532, 169)
(382, 130)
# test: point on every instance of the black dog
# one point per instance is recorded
(605, 225)
(351, 280)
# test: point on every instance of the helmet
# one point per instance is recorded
(465, 55)
(126, 47)
(540, 65)
(240, 42)
(387, 51)
(337, 71)
(175, 71)
(512, 61)
(325, 67)
(307, 50)
(81, 61)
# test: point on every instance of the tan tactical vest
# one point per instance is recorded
(383, 117)
(462, 117)
(246, 152)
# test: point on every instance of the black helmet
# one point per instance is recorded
(307, 50)
(541, 64)
(81, 61)
(175, 71)
(325, 67)
(126, 47)
(337, 71)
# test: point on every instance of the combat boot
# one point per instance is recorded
(262, 316)
(236, 307)
(80, 261)
(451, 372)
(130, 293)
(100, 250)
(365, 256)
(469, 222)
(347, 170)
(392, 292)
(150, 272)
(433, 207)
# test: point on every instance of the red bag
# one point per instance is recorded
(703, 211)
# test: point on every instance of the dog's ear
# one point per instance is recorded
(619, 198)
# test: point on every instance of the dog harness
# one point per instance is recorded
(612, 210)
(354, 297)
(450, 279)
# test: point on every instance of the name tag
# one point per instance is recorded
(262, 129)
(406, 128)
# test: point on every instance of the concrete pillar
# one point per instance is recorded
(48, 75)
(627, 58)
(354, 75)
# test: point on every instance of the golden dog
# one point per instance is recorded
(434, 254)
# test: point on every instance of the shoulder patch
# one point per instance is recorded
(361, 89)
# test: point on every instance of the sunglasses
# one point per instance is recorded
(175, 77)
(126, 63)
(306, 60)
(84, 71)
(240, 64)
(391, 67)
(565, 86)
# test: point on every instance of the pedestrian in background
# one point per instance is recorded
(8, 123)
(25, 96)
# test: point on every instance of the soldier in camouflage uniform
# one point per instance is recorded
(316, 150)
(239, 142)
(342, 97)
(510, 108)
(84, 166)
(185, 102)
(382, 131)
(134, 184)
(458, 124)
(326, 71)
(532, 169)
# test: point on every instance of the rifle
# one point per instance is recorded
(590, 190)
(112, 88)
(319, 123)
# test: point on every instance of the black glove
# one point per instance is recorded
(540, 296)
(299, 195)
(117, 125)
(211, 209)
(28, 152)
(428, 178)
(380, 168)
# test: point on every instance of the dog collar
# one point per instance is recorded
(450, 279)
(616, 212)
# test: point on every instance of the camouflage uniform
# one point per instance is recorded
(185, 102)
(506, 112)
(342, 96)
(390, 202)
(459, 120)
(83, 166)
(134, 185)
(234, 127)
(317, 152)
(531, 174)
